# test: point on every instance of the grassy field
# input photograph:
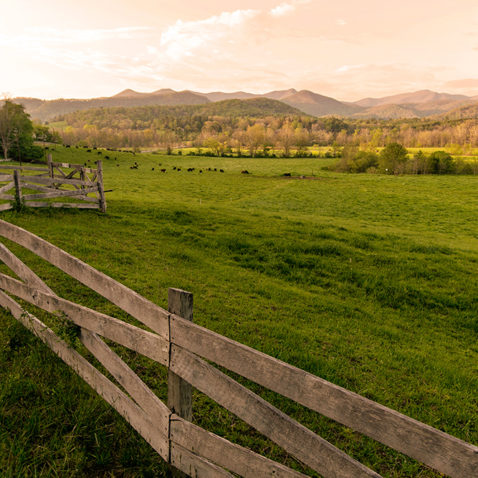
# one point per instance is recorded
(368, 281)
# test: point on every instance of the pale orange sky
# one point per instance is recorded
(344, 49)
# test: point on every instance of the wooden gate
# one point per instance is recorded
(175, 342)
(35, 186)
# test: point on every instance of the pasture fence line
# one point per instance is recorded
(189, 352)
(57, 180)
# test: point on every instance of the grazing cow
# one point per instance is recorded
(163, 170)
(179, 169)
(245, 171)
(221, 170)
(174, 168)
(88, 150)
(287, 174)
(99, 152)
(152, 169)
(200, 170)
(107, 157)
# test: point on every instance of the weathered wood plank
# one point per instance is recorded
(70, 205)
(296, 439)
(6, 177)
(433, 447)
(44, 180)
(24, 168)
(222, 452)
(18, 187)
(133, 385)
(179, 392)
(7, 187)
(74, 166)
(101, 190)
(36, 187)
(5, 207)
(21, 270)
(195, 466)
(146, 343)
(150, 314)
(7, 197)
(59, 193)
(102, 385)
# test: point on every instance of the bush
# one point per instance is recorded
(393, 159)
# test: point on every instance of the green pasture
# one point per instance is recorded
(368, 281)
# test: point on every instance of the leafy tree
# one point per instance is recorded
(440, 162)
(16, 133)
(393, 158)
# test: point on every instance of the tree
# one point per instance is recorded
(393, 158)
(16, 131)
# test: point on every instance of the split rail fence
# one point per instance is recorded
(187, 350)
(57, 180)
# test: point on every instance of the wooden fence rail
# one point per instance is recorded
(183, 347)
(48, 181)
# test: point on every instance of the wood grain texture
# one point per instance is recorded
(153, 407)
(24, 168)
(5, 207)
(179, 391)
(222, 452)
(21, 270)
(57, 193)
(104, 387)
(296, 439)
(70, 205)
(131, 302)
(7, 187)
(101, 190)
(53, 181)
(195, 466)
(433, 447)
(146, 343)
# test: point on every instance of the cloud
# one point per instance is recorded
(341, 22)
(282, 9)
(347, 68)
(182, 38)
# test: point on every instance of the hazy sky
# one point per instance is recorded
(347, 49)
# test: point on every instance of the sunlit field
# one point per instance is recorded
(366, 280)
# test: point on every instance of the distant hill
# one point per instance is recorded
(252, 108)
(387, 112)
(417, 97)
(463, 112)
(417, 104)
(318, 105)
(47, 109)
(237, 95)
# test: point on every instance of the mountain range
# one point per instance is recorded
(418, 104)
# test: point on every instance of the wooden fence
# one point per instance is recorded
(57, 180)
(174, 341)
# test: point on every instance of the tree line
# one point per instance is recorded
(395, 159)
(239, 131)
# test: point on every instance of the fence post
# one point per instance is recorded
(101, 189)
(50, 166)
(18, 188)
(180, 303)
